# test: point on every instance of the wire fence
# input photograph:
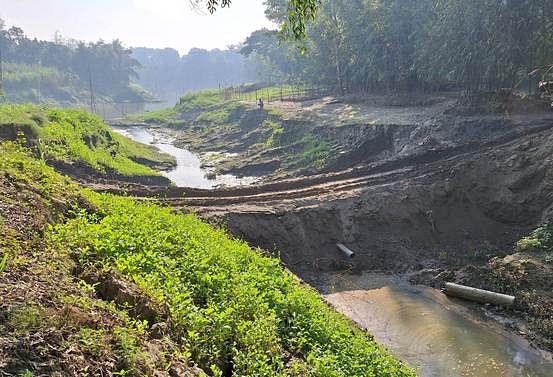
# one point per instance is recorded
(273, 94)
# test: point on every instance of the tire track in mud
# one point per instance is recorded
(318, 187)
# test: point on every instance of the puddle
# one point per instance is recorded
(432, 333)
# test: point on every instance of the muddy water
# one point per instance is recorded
(188, 172)
(437, 336)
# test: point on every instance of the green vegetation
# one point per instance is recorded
(315, 153)
(62, 71)
(540, 240)
(235, 311)
(17, 74)
(210, 120)
(241, 311)
(163, 116)
(222, 113)
(53, 324)
(199, 100)
(75, 136)
(408, 46)
(20, 168)
(214, 110)
(294, 15)
(276, 132)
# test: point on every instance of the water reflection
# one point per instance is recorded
(432, 333)
(188, 172)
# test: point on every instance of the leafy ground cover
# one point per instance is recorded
(77, 137)
(221, 304)
(241, 312)
(51, 321)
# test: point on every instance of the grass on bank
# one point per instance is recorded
(207, 117)
(52, 323)
(233, 310)
(242, 314)
(213, 106)
(75, 136)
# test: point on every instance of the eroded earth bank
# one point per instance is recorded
(428, 192)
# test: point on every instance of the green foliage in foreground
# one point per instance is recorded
(16, 164)
(241, 312)
(79, 137)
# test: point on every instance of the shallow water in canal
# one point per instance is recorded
(436, 335)
(188, 172)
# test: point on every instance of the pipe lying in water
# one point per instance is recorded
(478, 295)
(345, 250)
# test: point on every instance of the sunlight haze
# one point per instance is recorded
(161, 23)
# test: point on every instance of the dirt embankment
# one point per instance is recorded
(443, 196)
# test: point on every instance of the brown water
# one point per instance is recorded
(437, 336)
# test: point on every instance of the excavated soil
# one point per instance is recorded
(441, 199)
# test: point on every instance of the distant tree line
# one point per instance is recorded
(408, 45)
(167, 74)
(108, 65)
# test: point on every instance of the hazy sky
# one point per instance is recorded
(150, 23)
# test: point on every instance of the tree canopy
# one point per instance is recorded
(404, 45)
(293, 15)
(109, 65)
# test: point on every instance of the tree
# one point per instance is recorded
(407, 45)
(294, 20)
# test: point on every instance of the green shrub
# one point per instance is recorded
(276, 130)
(241, 312)
(541, 239)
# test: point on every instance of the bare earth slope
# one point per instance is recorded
(438, 197)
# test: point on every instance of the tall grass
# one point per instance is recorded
(199, 100)
(24, 75)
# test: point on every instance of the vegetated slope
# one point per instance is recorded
(40, 84)
(51, 321)
(82, 145)
(37, 83)
(192, 294)
(65, 72)
(236, 137)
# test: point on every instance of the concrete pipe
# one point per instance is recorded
(478, 295)
(345, 250)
